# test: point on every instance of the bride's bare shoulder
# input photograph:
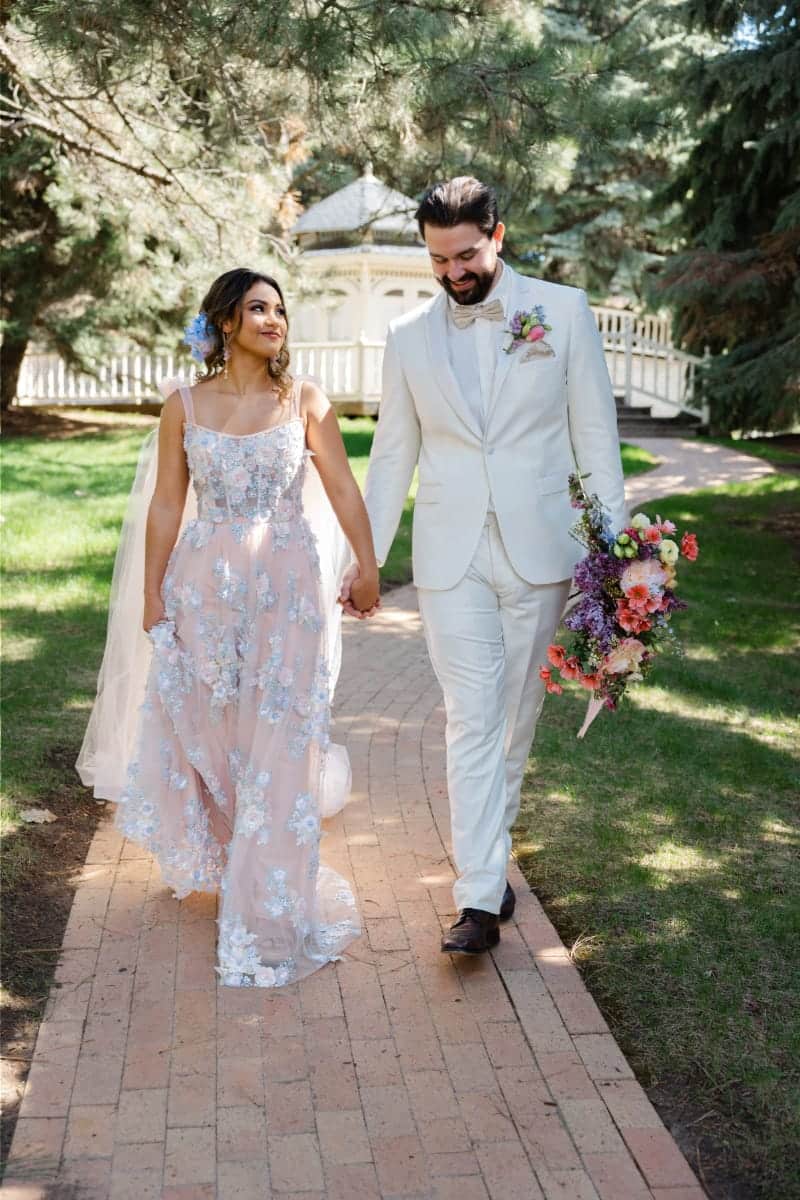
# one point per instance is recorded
(204, 387)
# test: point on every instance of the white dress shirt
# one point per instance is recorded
(474, 351)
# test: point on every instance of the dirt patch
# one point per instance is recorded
(784, 523)
(781, 441)
(36, 905)
(56, 423)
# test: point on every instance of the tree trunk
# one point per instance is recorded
(12, 353)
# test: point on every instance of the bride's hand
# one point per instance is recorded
(365, 595)
(345, 596)
(153, 612)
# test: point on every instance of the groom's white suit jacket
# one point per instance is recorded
(544, 417)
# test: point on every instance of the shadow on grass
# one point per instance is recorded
(679, 888)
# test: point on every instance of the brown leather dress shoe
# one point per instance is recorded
(474, 932)
(509, 903)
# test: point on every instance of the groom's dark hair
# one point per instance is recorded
(453, 201)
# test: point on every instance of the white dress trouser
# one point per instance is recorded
(487, 638)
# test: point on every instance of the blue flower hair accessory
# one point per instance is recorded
(201, 338)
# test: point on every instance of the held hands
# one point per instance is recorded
(153, 612)
(359, 595)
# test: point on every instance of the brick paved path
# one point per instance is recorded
(395, 1073)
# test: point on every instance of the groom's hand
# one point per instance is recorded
(350, 576)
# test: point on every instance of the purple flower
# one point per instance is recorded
(593, 571)
(591, 617)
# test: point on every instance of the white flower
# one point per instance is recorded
(668, 552)
(640, 521)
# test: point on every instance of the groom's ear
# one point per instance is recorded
(498, 235)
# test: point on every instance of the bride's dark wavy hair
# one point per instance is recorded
(223, 302)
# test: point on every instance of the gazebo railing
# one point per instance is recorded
(644, 366)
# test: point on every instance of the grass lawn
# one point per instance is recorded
(665, 847)
(773, 449)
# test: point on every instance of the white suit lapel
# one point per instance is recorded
(504, 363)
(436, 334)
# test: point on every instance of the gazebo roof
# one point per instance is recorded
(367, 207)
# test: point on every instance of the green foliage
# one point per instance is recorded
(736, 286)
(591, 220)
(171, 135)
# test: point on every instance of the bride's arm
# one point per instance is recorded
(166, 507)
(330, 458)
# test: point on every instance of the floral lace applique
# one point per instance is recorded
(266, 598)
(304, 819)
(239, 961)
(283, 901)
(253, 811)
(232, 588)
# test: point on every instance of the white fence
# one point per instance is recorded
(645, 368)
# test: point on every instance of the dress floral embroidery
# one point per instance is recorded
(225, 785)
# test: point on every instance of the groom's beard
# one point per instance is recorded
(481, 286)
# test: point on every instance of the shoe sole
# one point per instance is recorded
(491, 941)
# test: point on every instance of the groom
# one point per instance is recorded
(496, 424)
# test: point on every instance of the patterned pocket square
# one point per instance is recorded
(540, 349)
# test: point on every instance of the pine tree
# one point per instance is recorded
(590, 220)
(178, 129)
(736, 285)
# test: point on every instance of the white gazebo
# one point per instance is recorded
(367, 264)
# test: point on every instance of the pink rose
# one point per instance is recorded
(625, 657)
(536, 333)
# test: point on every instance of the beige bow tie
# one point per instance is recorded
(465, 314)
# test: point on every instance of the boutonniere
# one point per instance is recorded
(529, 329)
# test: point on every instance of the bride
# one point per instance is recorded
(229, 766)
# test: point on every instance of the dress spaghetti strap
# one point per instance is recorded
(188, 405)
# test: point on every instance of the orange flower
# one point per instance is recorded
(638, 595)
(630, 620)
(551, 685)
(689, 547)
(557, 655)
(590, 682)
(571, 668)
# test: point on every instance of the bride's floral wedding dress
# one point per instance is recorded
(225, 786)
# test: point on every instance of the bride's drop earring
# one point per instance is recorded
(226, 353)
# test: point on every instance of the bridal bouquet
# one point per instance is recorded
(621, 622)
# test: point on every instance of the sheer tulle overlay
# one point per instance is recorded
(233, 767)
